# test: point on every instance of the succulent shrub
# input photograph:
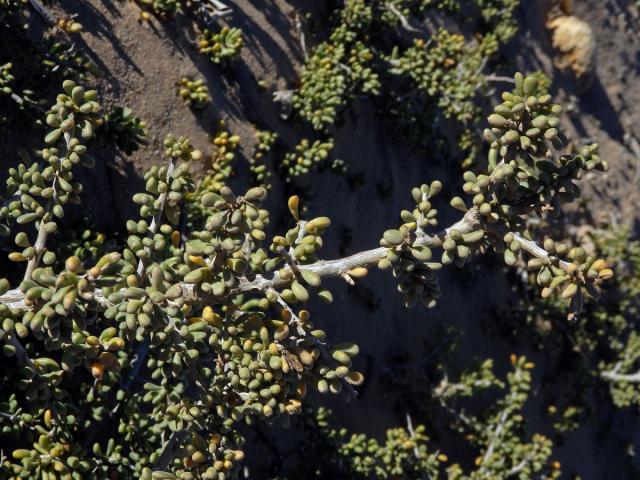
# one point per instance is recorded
(260, 172)
(6, 79)
(602, 347)
(69, 25)
(194, 93)
(222, 46)
(35, 62)
(307, 155)
(498, 434)
(620, 316)
(345, 65)
(337, 68)
(124, 129)
(435, 82)
(445, 70)
(163, 8)
(145, 361)
(424, 82)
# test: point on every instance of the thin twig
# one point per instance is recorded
(41, 240)
(614, 376)
(498, 78)
(143, 262)
(403, 20)
(303, 44)
(416, 452)
(39, 247)
(497, 433)
(322, 347)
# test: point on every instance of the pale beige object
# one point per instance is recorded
(575, 41)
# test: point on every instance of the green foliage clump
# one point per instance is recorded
(194, 92)
(72, 121)
(218, 170)
(337, 69)
(521, 172)
(145, 361)
(615, 322)
(403, 453)
(225, 145)
(623, 373)
(407, 253)
(498, 435)
(446, 70)
(6, 79)
(66, 60)
(259, 170)
(521, 129)
(222, 46)
(428, 84)
(600, 345)
(307, 155)
(124, 129)
(163, 8)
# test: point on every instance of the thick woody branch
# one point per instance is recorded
(15, 299)
(614, 375)
(368, 258)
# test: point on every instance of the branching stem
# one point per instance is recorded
(40, 245)
(324, 268)
(614, 376)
